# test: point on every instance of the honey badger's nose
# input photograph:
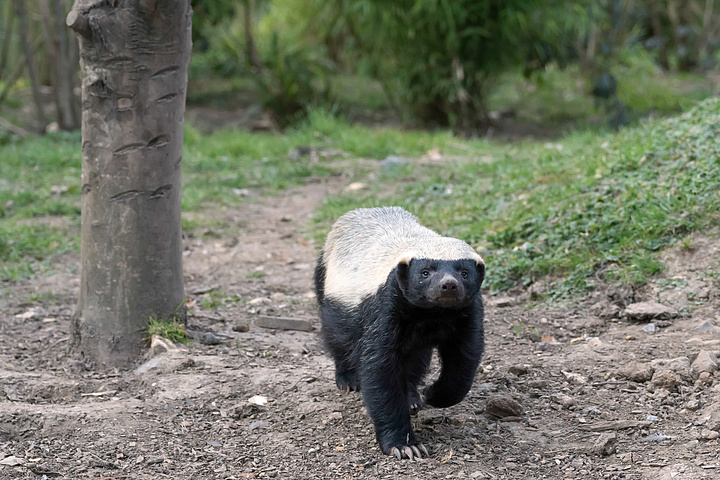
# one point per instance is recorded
(448, 286)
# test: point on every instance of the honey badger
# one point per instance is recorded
(389, 291)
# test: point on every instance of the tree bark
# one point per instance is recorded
(134, 56)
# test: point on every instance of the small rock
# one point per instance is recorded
(574, 378)
(258, 300)
(501, 406)
(539, 384)
(334, 417)
(12, 461)
(705, 362)
(561, 399)
(258, 400)
(706, 327)
(655, 437)
(637, 372)
(704, 378)
(519, 369)
(284, 323)
(666, 379)
(707, 434)
(278, 297)
(355, 186)
(501, 302)
(650, 329)
(259, 424)
(242, 327)
(644, 311)
(542, 346)
(692, 444)
(210, 339)
(605, 444)
(693, 405)
(431, 417)
(593, 341)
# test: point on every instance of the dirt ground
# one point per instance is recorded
(601, 395)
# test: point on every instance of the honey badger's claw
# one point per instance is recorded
(410, 452)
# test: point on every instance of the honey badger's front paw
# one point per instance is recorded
(409, 452)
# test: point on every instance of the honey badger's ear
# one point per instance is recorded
(402, 272)
(481, 272)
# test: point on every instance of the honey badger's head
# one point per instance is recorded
(429, 283)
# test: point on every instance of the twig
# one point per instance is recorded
(20, 132)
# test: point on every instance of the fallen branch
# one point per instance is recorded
(20, 132)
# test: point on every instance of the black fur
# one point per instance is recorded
(383, 345)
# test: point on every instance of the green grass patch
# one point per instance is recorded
(39, 202)
(585, 209)
(170, 329)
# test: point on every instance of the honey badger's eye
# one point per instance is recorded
(425, 273)
(464, 274)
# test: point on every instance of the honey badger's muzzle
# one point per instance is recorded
(447, 291)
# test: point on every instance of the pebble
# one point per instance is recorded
(649, 329)
(574, 378)
(259, 424)
(644, 311)
(519, 369)
(605, 444)
(561, 399)
(705, 362)
(692, 444)
(706, 327)
(693, 405)
(501, 302)
(501, 406)
(637, 372)
(210, 339)
(707, 434)
(666, 379)
(334, 417)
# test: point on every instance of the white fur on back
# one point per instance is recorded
(364, 245)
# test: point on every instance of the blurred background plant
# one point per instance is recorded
(460, 64)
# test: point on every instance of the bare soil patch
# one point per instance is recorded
(599, 396)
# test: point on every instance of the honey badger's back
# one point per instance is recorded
(364, 246)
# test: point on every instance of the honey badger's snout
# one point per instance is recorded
(448, 289)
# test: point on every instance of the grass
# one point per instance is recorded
(591, 207)
(170, 329)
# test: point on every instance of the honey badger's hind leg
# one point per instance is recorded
(341, 333)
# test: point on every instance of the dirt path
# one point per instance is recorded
(601, 398)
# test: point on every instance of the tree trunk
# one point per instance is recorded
(134, 57)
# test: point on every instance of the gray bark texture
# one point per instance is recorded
(134, 57)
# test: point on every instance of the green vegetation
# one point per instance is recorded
(39, 188)
(589, 207)
(170, 329)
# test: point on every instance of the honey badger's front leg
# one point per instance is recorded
(385, 391)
